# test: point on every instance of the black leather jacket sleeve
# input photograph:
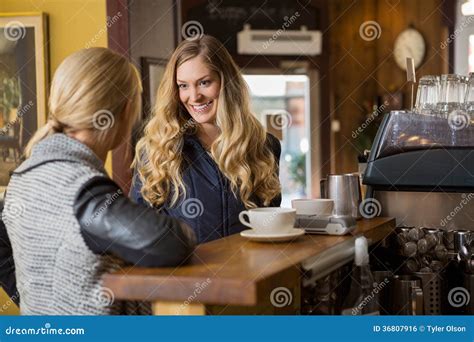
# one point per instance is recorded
(111, 223)
(7, 266)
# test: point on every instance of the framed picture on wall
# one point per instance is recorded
(23, 85)
(153, 70)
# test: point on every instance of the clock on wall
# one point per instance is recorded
(409, 43)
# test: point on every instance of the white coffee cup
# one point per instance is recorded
(317, 206)
(272, 220)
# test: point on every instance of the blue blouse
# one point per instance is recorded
(210, 207)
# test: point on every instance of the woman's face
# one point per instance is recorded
(199, 89)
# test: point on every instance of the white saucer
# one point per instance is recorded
(279, 237)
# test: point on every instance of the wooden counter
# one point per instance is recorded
(234, 275)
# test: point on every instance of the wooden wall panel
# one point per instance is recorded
(118, 40)
(361, 70)
(427, 17)
(352, 61)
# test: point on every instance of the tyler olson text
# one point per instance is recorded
(448, 328)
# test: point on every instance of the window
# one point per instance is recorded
(280, 103)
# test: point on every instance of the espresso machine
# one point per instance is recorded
(421, 172)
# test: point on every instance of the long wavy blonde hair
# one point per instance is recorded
(241, 151)
(93, 89)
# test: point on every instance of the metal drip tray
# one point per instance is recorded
(441, 210)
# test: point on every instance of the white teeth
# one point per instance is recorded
(202, 107)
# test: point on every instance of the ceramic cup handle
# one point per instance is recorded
(242, 219)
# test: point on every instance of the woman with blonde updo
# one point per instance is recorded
(67, 221)
(204, 156)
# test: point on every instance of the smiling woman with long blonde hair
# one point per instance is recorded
(204, 156)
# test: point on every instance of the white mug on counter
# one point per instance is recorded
(272, 220)
(317, 206)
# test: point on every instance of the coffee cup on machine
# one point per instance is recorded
(310, 207)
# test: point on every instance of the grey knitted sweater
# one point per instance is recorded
(56, 272)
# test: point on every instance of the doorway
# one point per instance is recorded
(281, 103)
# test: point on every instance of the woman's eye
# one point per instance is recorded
(182, 86)
(205, 82)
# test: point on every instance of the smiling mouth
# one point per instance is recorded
(202, 108)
